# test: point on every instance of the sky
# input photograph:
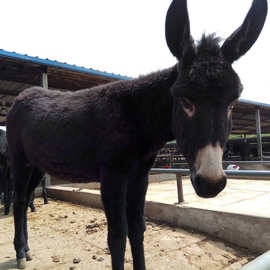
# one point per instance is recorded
(127, 37)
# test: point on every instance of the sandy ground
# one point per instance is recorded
(64, 236)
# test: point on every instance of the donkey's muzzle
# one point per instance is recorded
(207, 189)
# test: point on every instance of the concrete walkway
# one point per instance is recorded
(248, 197)
(240, 214)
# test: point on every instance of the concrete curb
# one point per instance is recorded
(252, 232)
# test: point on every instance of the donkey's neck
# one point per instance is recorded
(146, 104)
(152, 102)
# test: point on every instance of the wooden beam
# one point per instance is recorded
(26, 78)
(10, 92)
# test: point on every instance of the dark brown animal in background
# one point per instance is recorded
(112, 133)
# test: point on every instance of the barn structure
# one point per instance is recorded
(18, 72)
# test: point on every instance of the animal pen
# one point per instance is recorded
(179, 173)
(117, 154)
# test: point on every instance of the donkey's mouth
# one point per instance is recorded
(206, 188)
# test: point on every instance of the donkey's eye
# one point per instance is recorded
(187, 104)
(188, 107)
(231, 106)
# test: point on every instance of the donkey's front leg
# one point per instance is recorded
(113, 190)
(136, 192)
(136, 221)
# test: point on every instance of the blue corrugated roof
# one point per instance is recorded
(259, 104)
(47, 62)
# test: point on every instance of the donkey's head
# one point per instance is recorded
(205, 91)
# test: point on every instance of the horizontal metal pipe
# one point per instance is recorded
(260, 263)
(179, 171)
(226, 162)
(263, 162)
(254, 174)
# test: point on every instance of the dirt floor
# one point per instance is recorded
(64, 236)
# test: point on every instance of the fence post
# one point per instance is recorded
(179, 188)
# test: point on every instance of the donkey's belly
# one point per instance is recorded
(72, 173)
(71, 161)
(70, 166)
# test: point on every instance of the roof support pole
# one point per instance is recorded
(259, 134)
(44, 81)
(44, 84)
(179, 188)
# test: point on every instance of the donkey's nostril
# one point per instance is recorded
(208, 189)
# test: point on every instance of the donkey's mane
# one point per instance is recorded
(208, 66)
(143, 85)
(209, 46)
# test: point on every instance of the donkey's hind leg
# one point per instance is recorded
(8, 189)
(34, 180)
(31, 202)
(44, 192)
(21, 177)
(37, 176)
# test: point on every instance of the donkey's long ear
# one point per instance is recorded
(177, 28)
(245, 36)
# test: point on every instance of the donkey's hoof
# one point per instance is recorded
(21, 263)
(28, 256)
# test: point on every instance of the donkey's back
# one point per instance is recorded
(74, 134)
(67, 133)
